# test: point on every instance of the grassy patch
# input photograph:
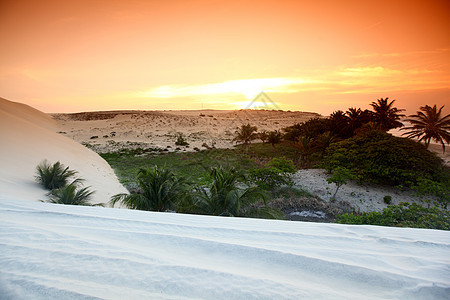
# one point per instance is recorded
(266, 152)
(192, 165)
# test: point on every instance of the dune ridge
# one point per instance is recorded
(29, 136)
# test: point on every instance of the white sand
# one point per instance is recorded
(28, 137)
(363, 198)
(50, 251)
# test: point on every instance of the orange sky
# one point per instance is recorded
(67, 56)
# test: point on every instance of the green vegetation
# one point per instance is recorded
(402, 215)
(340, 177)
(194, 166)
(429, 124)
(351, 145)
(245, 134)
(275, 173)
(381, 158)
(274, 137)
(385, 115)
(223, 197)
(70, 195)
(54, 176)
(181, 141)
(160, 190)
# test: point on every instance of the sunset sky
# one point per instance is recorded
(320, 56)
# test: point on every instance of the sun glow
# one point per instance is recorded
(249, 88)
(250, 104)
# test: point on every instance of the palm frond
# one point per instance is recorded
(70, 195)
(429, 124)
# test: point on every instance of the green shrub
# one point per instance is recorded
(54, 176)
(387, 199)
(283, 164)
(275, 173)
(70, 195)
(339, 178)
(160, 190)
(402, 215)
(224, 197)
(381, 158)
(181, 141)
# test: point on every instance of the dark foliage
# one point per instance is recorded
(274, 137)
(402, 215)
(429, 124)
(160, 190)
(70, 195)
(385, 115)
(382, 158)
(54, 176)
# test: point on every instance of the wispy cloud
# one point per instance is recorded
(403, 54)
(247, 87)
(344, 80)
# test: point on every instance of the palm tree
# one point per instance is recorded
(339, 124)
(323, 141)
(70, 195)
(54, 176)
(305, 145)
(386, 115)
(222, 197)
(429, 124)
(160, 190)
(263, 136)
(274, 137)
(356, 118)
(246, 134)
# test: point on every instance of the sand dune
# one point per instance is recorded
(68, 252)
(28, 136)
(105, 131)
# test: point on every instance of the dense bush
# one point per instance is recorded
(381, 158)
(275, 173)
(402, 215)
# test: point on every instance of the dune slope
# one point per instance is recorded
(28, 136)
(50, 251)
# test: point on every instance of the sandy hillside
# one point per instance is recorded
(159, 129)
(28, 136)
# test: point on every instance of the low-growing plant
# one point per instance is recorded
(54, 176)
(387, 199)
(340, 177)
(402, 215)
(70, 195)
(275, 173)
(181, 141)
(160, 190)
(440, 190)
(227, 195)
